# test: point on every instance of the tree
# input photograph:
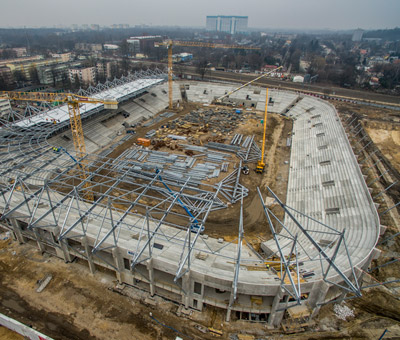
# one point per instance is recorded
(124, 66)
(317, 65)
(124, 48)
(202, 68)
(34, 75)
(8, 54)
(54, 76)
(77, 82)
(391, 76)
(295, 60)
(3, 83)
(19, 75)
(270, 60)
(255, 61)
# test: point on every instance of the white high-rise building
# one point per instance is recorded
(357, 35)
(228, 24)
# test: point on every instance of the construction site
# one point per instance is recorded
(234, 205)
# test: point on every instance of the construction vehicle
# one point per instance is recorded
(72, 100)
(194, 228)
(143, 142)
(261, 165)
(170, 43)
(275, 262)
(58, 149)
(245, 170)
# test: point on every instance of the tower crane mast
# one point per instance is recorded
(72, 100)
(170, 43)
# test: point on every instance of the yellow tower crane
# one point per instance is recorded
(261, 165)
(72, 101)
(170, 43)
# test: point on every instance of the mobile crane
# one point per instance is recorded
(261, 165)
(72, 100)
(169, 44)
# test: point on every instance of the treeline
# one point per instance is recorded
(388, 34)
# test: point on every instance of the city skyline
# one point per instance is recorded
(290, 14)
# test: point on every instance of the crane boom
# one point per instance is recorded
(72, 100)
(170, 43)
(248, 83)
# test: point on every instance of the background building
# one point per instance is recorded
(141, 44)
(6, 78)
(182, 57)
(227, 24)
(85, 75)
(53, 74)
(357, 35)
(5, 107)
(88, 47)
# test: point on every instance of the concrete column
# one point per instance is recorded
(187, 287)
(39, 243)
(317, 296)
(17, 230)
(229, 310)
(272, 316)
(63, 252)
(150, 268)
(118, 263)
(92, 267)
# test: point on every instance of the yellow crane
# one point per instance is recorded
(261, 165)
(72, 100)
(170, 43)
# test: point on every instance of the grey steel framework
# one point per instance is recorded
(147, 227)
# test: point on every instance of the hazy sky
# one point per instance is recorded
(333, 14)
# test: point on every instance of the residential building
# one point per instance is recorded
(26, 66)
(110, 47)
(19, 60)
(5, 107)
(145, 42)
(134, 45)
(227, 24)
(19, 51)
(65, 57)
(85, 75)
(104, 69)
(6, 75)
(53, 74)
(88, 47)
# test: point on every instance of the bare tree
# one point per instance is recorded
(202, 68)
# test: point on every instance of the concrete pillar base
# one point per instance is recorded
(17, 230)
(92, 266)
(151, 276)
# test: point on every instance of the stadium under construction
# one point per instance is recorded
(147, 221)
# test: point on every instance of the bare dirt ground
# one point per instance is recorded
(6, 334)
(382, 125)
(79, 305)
(224, 223)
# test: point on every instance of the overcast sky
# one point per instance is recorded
(277, 14)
